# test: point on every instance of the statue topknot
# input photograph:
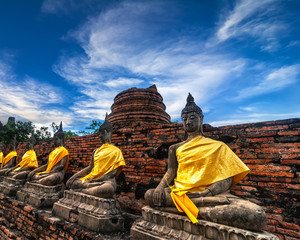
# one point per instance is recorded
(191, 106)
(106, 125)
(60, 132)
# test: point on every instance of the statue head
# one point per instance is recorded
(31, 142)
(59, 136)
(13, 144)
(105, 131)
(192, 116)
(1, 146)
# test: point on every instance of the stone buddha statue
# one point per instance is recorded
(98, 179)
(10, 159)
(28, 163)
(203, 170)
(1, 152)
(53, 172)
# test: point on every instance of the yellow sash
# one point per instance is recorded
(202, 162)
(1, 157)
(28, 160)
(106, 159)
(8, 157)
(54, 158)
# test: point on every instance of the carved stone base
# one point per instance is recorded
(39, 195)
(10, 186)
(94, 213)
(158, 225)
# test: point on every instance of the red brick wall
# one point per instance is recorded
(270, 149)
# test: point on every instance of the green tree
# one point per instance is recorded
(94, 127)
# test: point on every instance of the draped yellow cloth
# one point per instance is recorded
(202, 162)
(8, 157)
(54, 158)
(29, 159)
(1, 157)
(106, 159)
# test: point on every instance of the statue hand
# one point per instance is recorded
(159, 197)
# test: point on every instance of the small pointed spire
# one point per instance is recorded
(60, 126)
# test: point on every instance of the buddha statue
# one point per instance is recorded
(10, 159)
(28, 163)
(98, 179)
(203, 170)
(1, 152)
(53, 172)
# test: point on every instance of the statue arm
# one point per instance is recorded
(81, 173)
(159, 192)
(10, 170)
(214, 189)
(39, 169)
(220, 187)
(107, 176)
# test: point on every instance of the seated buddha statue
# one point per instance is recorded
(202, 170)
(53, 172)
(10, 159)
(28, 163)
(99, 178)
(1, 152)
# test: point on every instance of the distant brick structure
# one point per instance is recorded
(138, 107)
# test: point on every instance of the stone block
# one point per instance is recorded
(40, 196)
(94, 213)
(10, 186)
(158, 225)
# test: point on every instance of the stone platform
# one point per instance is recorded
(40, 196)
(10, 186)
(158, 225)
(94, 213)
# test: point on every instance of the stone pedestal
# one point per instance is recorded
(10, 186)
(158, 225)
(39, 195)
(94, 213)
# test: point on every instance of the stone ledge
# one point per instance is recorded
(162, 225)
(94, 213)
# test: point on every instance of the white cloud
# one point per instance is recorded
(274, 81)
(29, 100)
(122, 82)
(255, 117)
(257, 19)
(122, 39)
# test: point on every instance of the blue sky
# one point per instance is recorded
(67, 59)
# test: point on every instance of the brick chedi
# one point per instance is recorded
(138, 106)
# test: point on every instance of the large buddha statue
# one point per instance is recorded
(10, 159)
(53, 172)
(203, 170)
(28, 163)
(98, 179)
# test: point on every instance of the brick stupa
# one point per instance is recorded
(138, 107)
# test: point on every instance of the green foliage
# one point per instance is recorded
(23, 131)
(94, 127)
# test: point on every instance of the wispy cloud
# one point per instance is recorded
(254, 117)
(274, 81)
(257, 19)
(123, 41)
(30, 100)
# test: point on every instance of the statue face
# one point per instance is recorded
(105, 136)
(192, 122)
(57, 141)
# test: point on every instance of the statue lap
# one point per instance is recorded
(237, 212)
(105, 189)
